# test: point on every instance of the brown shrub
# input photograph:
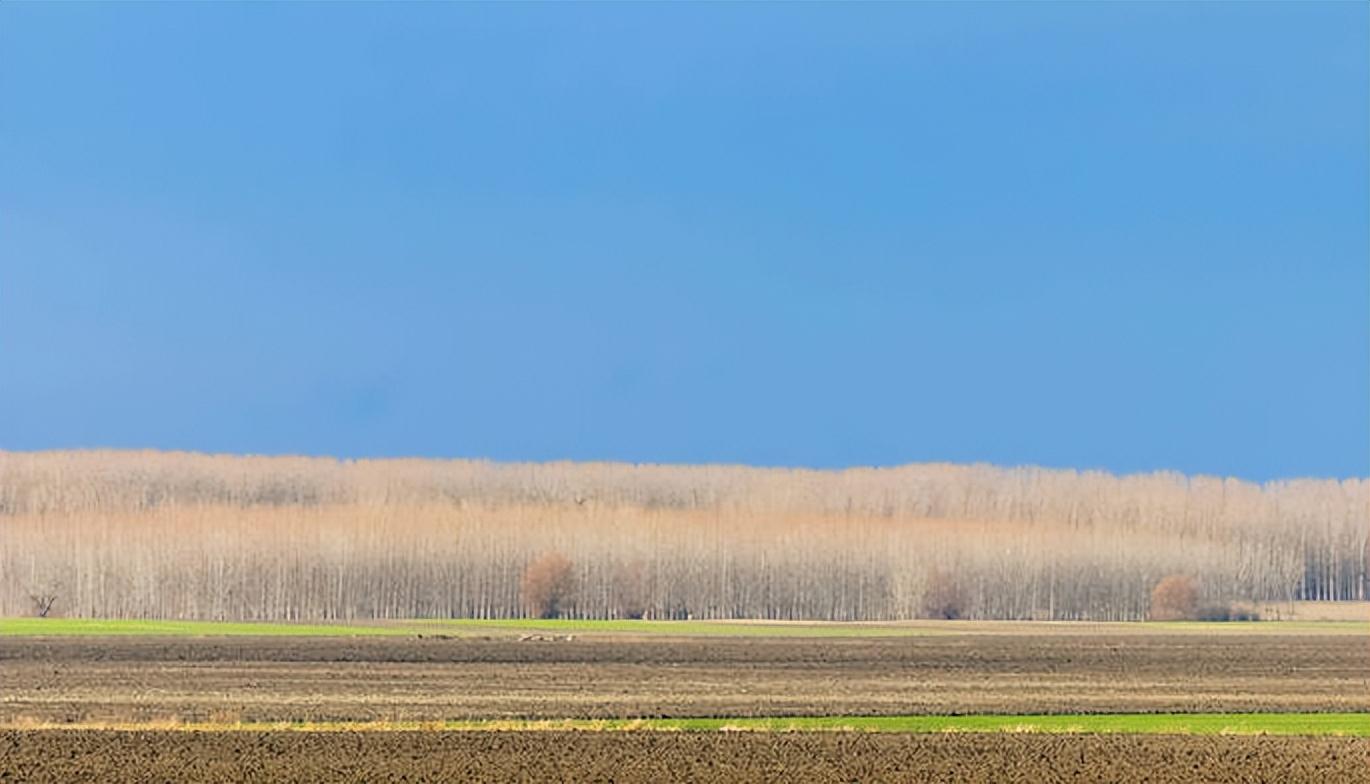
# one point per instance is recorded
(630, 590)
(1213, 613)
(546, 586)
(1227, 612)
(942, 597)
(1175, 598)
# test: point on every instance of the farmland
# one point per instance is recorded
(633, 702)
(685, 392)
(617, 675)
(169, 616)
(49, 757)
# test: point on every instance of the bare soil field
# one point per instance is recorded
(54, 756)
(140, 679)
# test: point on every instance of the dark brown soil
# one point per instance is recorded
(272, 679)
(54, 756)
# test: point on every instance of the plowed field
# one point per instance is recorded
(330, 679)
(60, 756)
(123, 681)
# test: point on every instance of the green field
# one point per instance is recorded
(88, 627)
(37, 627)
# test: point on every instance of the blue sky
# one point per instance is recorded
(1115, 236)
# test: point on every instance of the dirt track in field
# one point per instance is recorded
(50, 757)
(330, 679)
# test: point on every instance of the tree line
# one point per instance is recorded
(176, 535)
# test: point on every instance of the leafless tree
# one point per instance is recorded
(42, 603)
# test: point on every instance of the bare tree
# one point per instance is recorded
(177, 535)
(43, 602)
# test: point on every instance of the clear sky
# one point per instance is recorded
(1115, 236)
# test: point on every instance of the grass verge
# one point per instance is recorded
(94, 627)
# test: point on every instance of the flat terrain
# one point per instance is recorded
(143, 701)
(390, 678)
(54, 756)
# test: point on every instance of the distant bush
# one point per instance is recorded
(546, 586)
(1175, 598)
(1226, 612)
(630, 590)
(1213, 612)
(942, 597)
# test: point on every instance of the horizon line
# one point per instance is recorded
(981, 464)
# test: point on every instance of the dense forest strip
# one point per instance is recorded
(177, 535)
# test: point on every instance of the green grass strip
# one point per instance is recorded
(89, 627)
